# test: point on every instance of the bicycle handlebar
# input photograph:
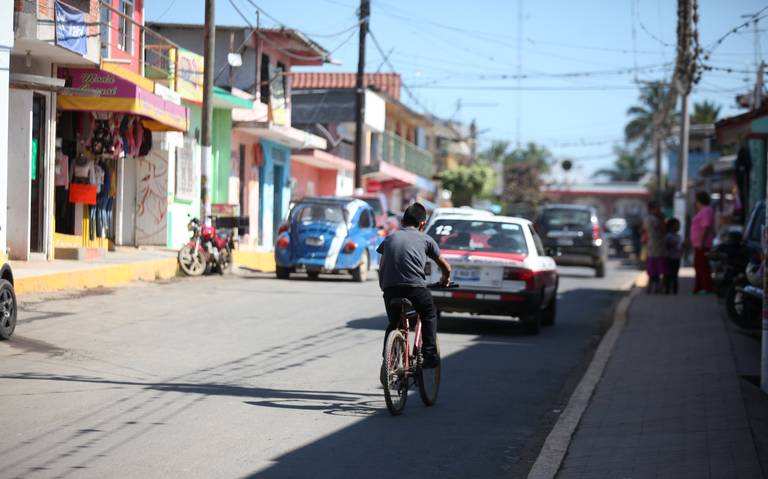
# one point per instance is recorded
(437, 285)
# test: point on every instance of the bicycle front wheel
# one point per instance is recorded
(429, 381)
(396, 384)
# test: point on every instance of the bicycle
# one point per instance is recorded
(403, 369)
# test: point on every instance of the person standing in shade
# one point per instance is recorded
(674, 247)
(656, 261)
(702, 236)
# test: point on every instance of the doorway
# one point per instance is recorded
(277, 207)
(37, 176)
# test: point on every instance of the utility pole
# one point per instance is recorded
(684, 75)
(364, 13)
(209, 42)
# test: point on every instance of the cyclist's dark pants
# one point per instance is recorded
(423, 304)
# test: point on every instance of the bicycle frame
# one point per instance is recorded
(405, 327)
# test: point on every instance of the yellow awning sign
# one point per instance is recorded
(116, 94)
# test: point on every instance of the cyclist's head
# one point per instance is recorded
(415, 216)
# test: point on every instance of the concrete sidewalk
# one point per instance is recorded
(669, 404)
(117, 268)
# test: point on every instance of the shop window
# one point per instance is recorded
(125, 27)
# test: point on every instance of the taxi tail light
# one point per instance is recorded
(595, 232)
(283, 242)
(283, 228)
(350, 247)
(521, 274)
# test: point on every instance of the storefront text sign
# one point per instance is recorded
(189, 75)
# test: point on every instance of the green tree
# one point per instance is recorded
(535, 155)
(705, 113)
(628, 166)
(522, 170)
(466, 182)
(649, 112)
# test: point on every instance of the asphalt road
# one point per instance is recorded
(247, 376)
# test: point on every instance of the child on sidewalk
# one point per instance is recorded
(674, 248)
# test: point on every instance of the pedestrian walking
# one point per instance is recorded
(673, 244)
(656, 261)
(702, 236)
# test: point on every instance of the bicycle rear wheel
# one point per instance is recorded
(396, 385)
(429, 381)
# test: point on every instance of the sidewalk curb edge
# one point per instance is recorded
(556, 445)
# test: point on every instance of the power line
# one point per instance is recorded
(754, 18)
(405, 87)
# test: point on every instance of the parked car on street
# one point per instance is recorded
(7, 299)
(328, 235)
(501, 267)
(574, 235)
(618, 233)
(378, 202)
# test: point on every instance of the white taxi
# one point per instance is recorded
(500, 265)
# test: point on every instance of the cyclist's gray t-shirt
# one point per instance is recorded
(404, 257)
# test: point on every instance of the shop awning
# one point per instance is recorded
(115, 93)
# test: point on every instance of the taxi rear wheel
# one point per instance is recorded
(532, 322)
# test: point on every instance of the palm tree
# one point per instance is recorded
(647, 114)
(705, 113)
(628, 166)
(651, 122)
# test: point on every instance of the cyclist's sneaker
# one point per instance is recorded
(430, 361)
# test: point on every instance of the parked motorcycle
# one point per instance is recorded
(728, 259)
(744, 297)
(207, 251)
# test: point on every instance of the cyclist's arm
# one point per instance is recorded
(445, 268)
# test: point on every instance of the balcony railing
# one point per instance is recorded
(159, 62)
(404, 154)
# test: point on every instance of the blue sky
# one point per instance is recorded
(451, 50)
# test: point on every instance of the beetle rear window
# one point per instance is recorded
(326, 213)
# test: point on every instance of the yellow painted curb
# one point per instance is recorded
(105, 276)
(258, 260)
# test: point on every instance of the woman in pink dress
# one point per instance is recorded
(702, 236)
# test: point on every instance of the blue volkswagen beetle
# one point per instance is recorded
(328, 235)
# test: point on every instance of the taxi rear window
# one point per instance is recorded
(485, 236)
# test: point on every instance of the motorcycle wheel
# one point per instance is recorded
(225, 265)
(191, 261)
(739, 309)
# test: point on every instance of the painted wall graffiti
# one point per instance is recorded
(151, 198)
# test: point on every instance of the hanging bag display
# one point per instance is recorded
(81, 193)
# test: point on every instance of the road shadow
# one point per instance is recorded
(302, 277)
(495, 408)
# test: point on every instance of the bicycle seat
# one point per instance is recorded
(401, 303)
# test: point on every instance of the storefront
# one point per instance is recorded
(111, 188)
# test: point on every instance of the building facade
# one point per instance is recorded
(254, 173)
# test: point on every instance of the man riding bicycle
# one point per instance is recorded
(402, 275)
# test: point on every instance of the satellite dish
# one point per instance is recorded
(567, 165)
(235, 60)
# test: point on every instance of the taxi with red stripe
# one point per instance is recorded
(501, 267)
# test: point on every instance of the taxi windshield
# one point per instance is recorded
(317, 212)
(485, 236)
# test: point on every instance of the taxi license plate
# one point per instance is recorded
(467, 274)
(565, 242)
